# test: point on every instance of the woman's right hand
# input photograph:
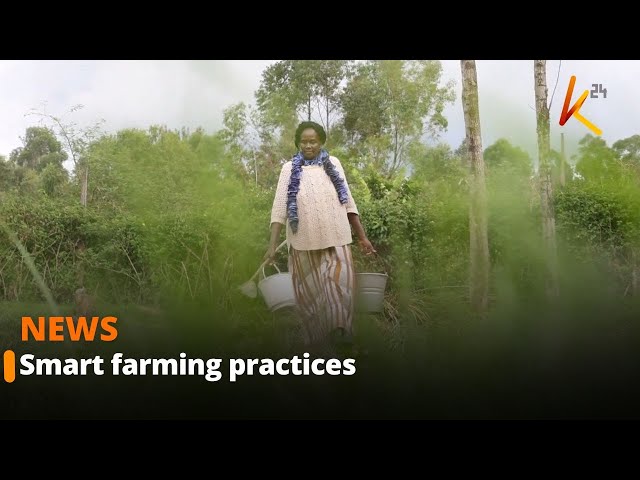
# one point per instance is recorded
(270, 255)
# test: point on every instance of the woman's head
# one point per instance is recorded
(310, 137)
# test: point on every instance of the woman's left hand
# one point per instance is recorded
(366, 246)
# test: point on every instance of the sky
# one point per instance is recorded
(194, 93)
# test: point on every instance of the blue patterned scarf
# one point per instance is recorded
(297, 162)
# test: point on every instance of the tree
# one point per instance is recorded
(391, 104)
(253, 147)
(52, 178)
(546, 186)
(6, 174)
(76, 142)
(40, 148)
(629, 150)
(596, 161)
(479, 241)
(561, 170)
(236, 137)
(509, 187)
(329, 76)
(306, 87)
(155, 171)
(507, 159)
(438, 162)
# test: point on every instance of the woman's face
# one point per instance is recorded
(310, 143)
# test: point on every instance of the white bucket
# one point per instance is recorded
(370, 292)
(277, 290)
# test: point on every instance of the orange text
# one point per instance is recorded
(54, 329)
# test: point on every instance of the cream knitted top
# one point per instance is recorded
(322, 219)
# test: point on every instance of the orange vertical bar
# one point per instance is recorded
(9, 366)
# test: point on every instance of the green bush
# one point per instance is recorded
(71, 247)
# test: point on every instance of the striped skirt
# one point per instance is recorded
(324, 286)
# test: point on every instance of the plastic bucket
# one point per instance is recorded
(370, 292)
(277, 290)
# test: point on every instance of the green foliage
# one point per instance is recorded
(596, 216)
(53, 232)
(596, 161)
(235, 133)
(514, 220)
(436, 163)
(391, 104)
(419, 230)
(628, 150)
(40, 148)
(7, 180)
(515, 239)
(73, 139)
(363, 103)
(152, 172)
(502, 158)
(599, 215)
(601, 223)
(168, 211)
(53, 179)
(255, 152)
(293, 88)
(289, 91)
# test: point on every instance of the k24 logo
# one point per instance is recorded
(574, 111)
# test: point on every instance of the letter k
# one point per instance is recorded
(575, 110)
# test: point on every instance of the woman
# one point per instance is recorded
(314, 201)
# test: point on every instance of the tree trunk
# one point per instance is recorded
(326, 96)
(563, 160)
(478, 237)
(80, 259)
(546, 188)
(84, 185)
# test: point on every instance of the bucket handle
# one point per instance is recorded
(261, 267)
(384, 262)
(264, 275)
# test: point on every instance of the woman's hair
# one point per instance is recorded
(315, 126)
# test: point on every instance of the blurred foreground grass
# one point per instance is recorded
(576, 358)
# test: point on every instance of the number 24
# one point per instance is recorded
(597, 88)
